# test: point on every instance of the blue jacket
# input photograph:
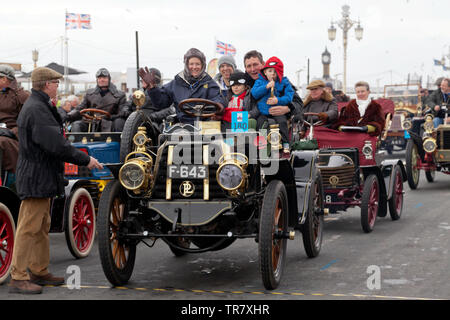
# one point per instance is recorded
(179, 89)
(283, 91)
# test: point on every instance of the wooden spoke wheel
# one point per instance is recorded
(7, 232)
(117, 254)
(396, 201)
(273, 222)
(412, 159)
(79, 223)
(370, 203)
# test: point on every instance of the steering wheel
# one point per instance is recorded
(97, 114)
(200, 107)
(310, 114)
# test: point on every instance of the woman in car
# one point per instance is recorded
(192, 82)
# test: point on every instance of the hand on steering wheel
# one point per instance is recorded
(200, 107)
(94, 114)
(310, 114)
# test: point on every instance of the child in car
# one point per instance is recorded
(272, 89)
(236, 97)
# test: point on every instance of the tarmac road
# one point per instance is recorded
(404, 259)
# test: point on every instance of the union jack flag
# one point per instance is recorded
(225, 48)
(78, 21)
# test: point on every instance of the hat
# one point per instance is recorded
(329, 85)
(238, 78)
(275, 63)
(193, 52)
(45, 74)
(7, 71)
(228, 60)
(315, 84)
(103, 72)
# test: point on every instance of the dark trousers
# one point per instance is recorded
(280, 120)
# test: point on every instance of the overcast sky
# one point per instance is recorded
(400, 36)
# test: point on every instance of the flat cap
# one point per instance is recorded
(315, 84)
(7, 71)
(45, 74)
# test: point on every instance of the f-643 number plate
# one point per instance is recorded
(187, 171)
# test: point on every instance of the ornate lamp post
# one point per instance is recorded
(35, 57)
(345, 24)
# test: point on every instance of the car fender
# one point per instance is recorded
(387, 170)
(11, 200)
(304, 164)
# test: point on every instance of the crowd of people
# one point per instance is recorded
(35, 149)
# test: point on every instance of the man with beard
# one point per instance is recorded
(105, 96)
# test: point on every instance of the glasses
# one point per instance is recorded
(240, 81)
(102, 73)
(54, 81)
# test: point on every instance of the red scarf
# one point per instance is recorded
(236, 103)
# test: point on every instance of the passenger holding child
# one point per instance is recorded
(272, 89)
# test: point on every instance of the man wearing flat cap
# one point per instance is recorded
(12, 98)
(43, 149)
(320, 101)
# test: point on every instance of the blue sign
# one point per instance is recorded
(239, 121)
(407, 136)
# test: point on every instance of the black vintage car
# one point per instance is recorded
(428, 148)
(199, 190)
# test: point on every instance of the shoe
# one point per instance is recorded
(24, 287)
(47, 279)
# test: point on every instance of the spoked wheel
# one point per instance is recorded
(412, 158)
(313, 227)
(370, 203)
(7, 232)
(396, 201)
(79, 223)
(117, 254)
(273, 222)
(430, 175)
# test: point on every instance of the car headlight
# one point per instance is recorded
(429, 145)
(407, 124)
(230, 176)
(367, 150)
(132, 175)
(428, 126)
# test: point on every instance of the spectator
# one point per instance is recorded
(43, 150)
(12, 98)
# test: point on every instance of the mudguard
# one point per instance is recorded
(304, 164)
(387, 170)
(11, 200)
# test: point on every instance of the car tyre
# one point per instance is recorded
(117, 255)
(412, 156)
(79, 223)
(312, 229)
(396, 201)
(7, 234)
(273, 219)
(370, 203)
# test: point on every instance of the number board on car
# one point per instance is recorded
(187, 171)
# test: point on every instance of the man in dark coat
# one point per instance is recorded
(437, 99)
(105, 96)
(362, 111)
(12, 98)
(43, 149)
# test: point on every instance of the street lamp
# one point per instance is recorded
(345, 24)
(35, 57)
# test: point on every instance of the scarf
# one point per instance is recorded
(362, 106)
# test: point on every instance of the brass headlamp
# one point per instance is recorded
(232, 174)
(429, 145)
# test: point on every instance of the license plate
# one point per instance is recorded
(186, 171)
(70, 169)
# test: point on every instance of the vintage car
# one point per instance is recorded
(405, 102)
(199, 190)
(355, 173)
(428, 148)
